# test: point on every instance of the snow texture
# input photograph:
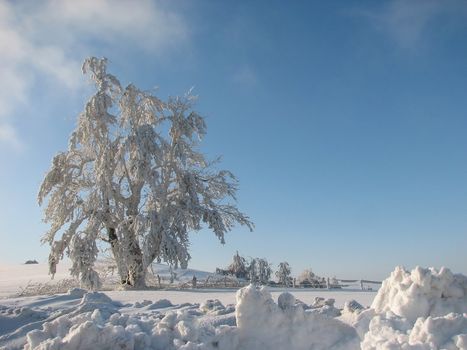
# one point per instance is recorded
(260, 323)
(263, 324)
(421, 309)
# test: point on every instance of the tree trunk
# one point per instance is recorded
(136, 271)
(129, 260)
(122, 269)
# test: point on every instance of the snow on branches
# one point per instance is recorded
(133, 177)
(283, 273)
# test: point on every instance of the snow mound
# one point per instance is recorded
(142, 304)
(84, 331)
(95, 298)
(420, 309)
(390, 331)
(215, 307)
(160, 304)
(286, 301)
(95, 323)
(446, 332)
(262, 324)
(422, 293)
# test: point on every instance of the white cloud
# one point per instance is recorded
(148, 25)
(51, 37)
(9, 137)
(406, 21)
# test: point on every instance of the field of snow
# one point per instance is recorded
(418, 309)
(15, 277)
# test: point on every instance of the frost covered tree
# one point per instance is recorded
(259, 271)
(133, 177)
(283, 273)
(307, 275)
(238, 267)
(264, 271)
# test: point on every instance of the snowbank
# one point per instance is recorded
(421, 309)
(260, 324)
(263, 324)
(422, 293)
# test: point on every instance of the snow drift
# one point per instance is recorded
(420, 309)
(263, 324)
(260, 323)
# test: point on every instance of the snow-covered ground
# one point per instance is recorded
(228, 296)
(15, 277)
(419, 309)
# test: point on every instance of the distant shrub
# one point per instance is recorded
(28, 262)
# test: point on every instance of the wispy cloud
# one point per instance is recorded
(9, 136)
(407, 21)
(51, 36)
(245, 75)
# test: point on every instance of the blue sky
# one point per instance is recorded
(344, 121)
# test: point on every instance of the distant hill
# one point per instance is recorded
(182, 275)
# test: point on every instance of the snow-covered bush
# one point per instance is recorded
(133, 177)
